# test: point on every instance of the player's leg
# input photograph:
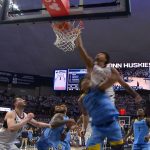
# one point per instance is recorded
(26, 142)
(95, 142)
(22, 142)
(114, 136)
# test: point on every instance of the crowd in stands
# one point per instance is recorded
(127, 102)
(43, 106)
(135, 72)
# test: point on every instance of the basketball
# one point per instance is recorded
(62, 25)
(66, 25)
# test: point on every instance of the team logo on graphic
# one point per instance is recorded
(55, 6)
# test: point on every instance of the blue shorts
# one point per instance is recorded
(111, 131)
(141, 147)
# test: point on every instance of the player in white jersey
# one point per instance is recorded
(100, 72)
(14, 122)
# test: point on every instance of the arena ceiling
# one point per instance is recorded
(28, 48)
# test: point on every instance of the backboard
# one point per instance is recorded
(20, 11)
(125, 119)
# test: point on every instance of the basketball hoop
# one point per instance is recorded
(66, 34)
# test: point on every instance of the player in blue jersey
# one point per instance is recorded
(140, 129)
(97, 105)
(58, 137)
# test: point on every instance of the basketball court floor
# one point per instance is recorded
(73, 148)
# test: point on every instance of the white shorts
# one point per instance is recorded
(5, 146)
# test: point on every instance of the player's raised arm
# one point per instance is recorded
(83, 53)
(133, 93)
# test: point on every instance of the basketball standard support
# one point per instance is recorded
(4, 9)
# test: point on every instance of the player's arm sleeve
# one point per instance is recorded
(57, 121)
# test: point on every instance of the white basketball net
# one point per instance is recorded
(65, 40)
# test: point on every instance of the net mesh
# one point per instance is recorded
(66, 36)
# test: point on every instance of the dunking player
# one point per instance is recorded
(99, 71)
(140, 129)
(103, 77)
(14, 123)
(58, 137)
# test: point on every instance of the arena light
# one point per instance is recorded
(1, 3)
(14, 7)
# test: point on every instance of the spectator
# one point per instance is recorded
(24, 137)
